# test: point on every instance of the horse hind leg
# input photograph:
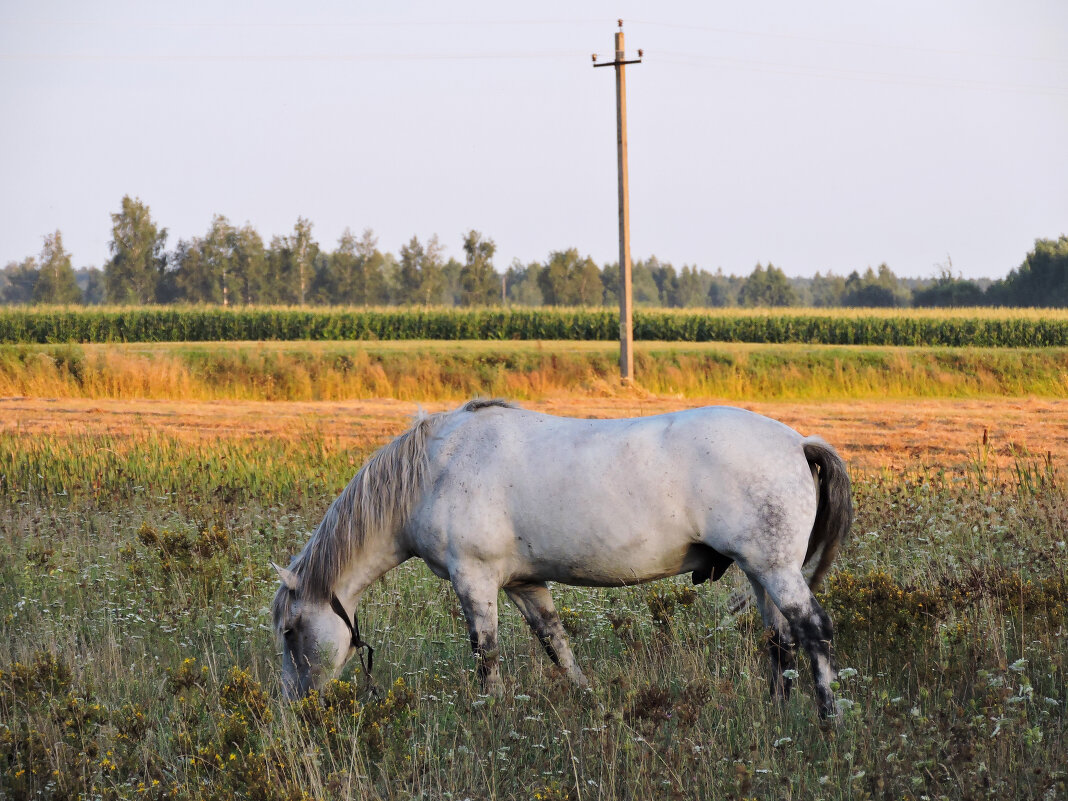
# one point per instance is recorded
(536, 605)
(811, 628)
(781, 645)
(478, 599)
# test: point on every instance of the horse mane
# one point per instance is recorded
(377, 500)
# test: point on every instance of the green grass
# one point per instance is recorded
(424, 370)
(136, 660)
(956, 328)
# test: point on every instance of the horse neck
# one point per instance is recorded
(378, 554)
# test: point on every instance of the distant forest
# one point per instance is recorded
(231, 266)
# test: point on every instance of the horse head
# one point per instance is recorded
(316, 636)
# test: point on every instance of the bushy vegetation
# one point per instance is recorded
(137, 661)
(434, 371)
(976, 328)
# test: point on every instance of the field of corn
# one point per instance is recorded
(137, 661)
(957, 328)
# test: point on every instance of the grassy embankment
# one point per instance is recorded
(136, 659)
(523, 370)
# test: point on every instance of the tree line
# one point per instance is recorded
(231, 265)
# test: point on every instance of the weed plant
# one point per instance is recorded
(137, 660)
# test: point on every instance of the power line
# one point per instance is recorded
(871, 76)
(848, 43)
(283, 57)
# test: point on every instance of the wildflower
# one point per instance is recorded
(782, 741)
(1018, 666)
(790, 674)
(846, 673)
(844, 704)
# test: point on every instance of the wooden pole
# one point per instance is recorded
(626, 324)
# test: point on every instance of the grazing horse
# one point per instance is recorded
(494, 497)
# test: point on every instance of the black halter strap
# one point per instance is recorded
(354, 630)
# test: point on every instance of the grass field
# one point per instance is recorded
(137, 659)
(428, 371)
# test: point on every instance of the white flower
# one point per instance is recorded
(1018, 666)
(847, 673)
(790, 674)
(782, 741)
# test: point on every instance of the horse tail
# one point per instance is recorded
(834, 512)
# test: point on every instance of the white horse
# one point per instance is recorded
(493, 497)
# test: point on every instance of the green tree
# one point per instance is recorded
(827, 290)
(91, 281)
(666, 280)
(353, 272)
(723, 289)
(643, 288)
(204, 267)
(56, 282)
(875, 289)
(553, 277)
(338, 284)
(219, 245)
(248, 266)
(570, 280)
(432, 273)
(479, 282)
(692, 287)
(291, 265)
(304, 250)
(138, 259)
(409, 280)
(767, 287)
(948, 291)
(370, 270)
(17, 281)
(1040, 281)
(191, 279)
(521, 282)
(453, 291)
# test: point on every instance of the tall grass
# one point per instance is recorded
(438, 371)
(973, 327)
(136, 660)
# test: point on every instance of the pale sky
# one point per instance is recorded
(817, 136)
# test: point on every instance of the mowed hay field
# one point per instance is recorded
(144, 490)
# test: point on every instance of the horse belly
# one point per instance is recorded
(591, 547)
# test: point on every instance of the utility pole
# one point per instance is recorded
(626, 325)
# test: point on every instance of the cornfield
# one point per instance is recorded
(959, 328)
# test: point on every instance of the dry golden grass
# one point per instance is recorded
(429, 371)
(870, 434)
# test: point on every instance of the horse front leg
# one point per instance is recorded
(536, 605)
(478, 599)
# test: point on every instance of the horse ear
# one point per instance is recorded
(288, 577)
